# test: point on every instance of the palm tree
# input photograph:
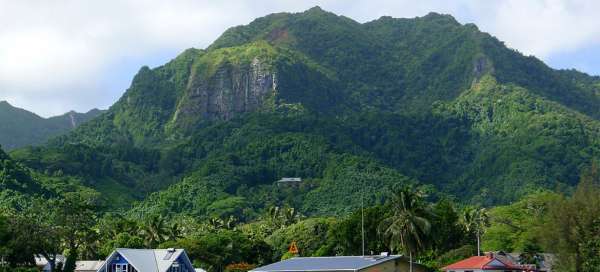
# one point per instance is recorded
(408, 226)
(289, 216)
(154, 231)
(272, 217)
(475, 220)
(174, 232)
(216, 223)
(230, 222)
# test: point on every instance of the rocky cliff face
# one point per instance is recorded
(231, 91)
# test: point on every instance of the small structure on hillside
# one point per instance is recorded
(291, 182)
(147, 260)
(382, 263)
(44, 265)
(489, 262)
(88, 266)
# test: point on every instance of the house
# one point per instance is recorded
(490, 262)
(289, 182)
(378, 263)
(147, 260)
(44, 266)
(545, 262)
(88, 266)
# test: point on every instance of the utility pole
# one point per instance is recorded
(362, 219)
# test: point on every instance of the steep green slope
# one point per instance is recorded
(344, 105)
(17, 185)
(19, 127)
(520, 141)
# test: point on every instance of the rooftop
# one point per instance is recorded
(290, 180)
(88, 265)
(150, 260)
(487, 262)
(337, 263)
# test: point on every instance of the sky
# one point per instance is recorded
(62, 55)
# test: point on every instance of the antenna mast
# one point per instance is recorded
(362, 217)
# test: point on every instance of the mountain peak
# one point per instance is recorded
(315, 9)
(434, 16)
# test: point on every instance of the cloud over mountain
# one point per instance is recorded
(62, 55)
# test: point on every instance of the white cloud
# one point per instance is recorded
(64, 54)
(543, 27)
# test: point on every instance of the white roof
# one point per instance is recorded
(41, 260)
(151, 260)
(290, 180)
(88, 265)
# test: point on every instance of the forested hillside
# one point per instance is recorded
(433, 124)
(351, 108)
(20, 128)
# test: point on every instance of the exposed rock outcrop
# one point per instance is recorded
(229, 92)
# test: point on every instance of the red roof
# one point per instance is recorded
(484, 263)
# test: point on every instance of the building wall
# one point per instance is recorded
(384, 267)
(394, 266)
(479, 270)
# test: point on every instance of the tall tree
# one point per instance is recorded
(475, 220)
(407, 228)
(154, 231)
(76, 217)
(572, 229)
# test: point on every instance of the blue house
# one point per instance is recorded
(147, 260)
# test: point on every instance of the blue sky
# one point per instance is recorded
(63, 55)
(586, 59)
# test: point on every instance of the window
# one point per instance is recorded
(120, 268)
(177, 267)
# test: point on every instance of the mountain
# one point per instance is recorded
(19, 127)
(354, 109)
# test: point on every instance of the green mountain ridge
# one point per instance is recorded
(351, 108)
(19, 127)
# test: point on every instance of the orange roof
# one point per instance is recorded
(483, 263)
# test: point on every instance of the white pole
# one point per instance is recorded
(478, 244)
(362, 219)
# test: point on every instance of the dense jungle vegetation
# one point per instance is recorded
(487, 142)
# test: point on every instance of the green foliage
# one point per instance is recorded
(515, 226)
(14, 176)
(572, 229)
(309, 235)
(446, 229)
(345, 237)
(408, 226)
